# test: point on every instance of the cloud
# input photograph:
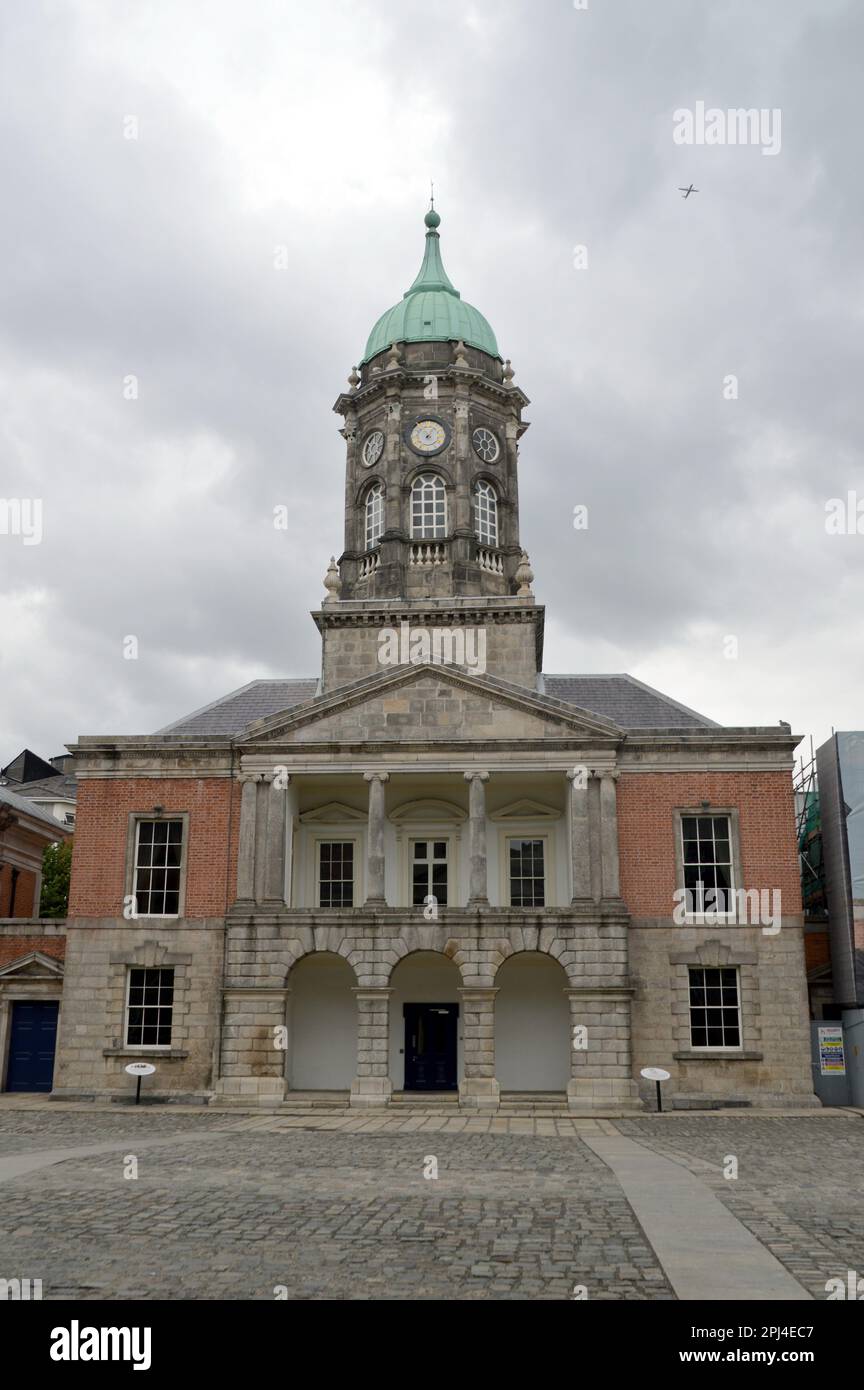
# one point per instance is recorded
(313, 131)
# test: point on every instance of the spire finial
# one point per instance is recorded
(432, 218)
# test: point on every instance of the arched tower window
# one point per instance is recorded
(485, 514)
(428, 508)
(374, 515)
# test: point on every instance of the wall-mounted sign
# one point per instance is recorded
(832, 1061)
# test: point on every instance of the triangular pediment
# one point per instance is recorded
(429, 703)
(429, 811)
(33, 966)
(526, 809)
(334, 813)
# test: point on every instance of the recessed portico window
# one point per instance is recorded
(336, 873)
(527, 872)
(429, 871)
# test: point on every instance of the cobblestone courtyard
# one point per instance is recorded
(234, 1206)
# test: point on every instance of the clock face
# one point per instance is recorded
(428, 437)
(372, 448)
(486, 445)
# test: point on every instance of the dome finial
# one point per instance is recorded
(432, 218)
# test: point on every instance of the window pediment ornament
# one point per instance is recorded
(526, 809)
(428, 811)
(331, 813)
(34, 965)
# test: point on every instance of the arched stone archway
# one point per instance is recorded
(532, 1024)
(425, 1023)
(322, 1024)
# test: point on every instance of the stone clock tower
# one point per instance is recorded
(432, 428)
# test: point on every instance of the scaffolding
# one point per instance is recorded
(808, 824)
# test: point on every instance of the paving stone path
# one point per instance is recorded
(231, 1206)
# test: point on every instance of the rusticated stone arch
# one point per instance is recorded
(532, 1023)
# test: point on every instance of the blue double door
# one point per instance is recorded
(32, 1045)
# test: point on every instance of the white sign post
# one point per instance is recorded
(656, 1074)
(139, 1069)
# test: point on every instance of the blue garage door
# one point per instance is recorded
(31, 1047)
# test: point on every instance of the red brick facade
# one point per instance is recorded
(25, 886)
(14, 947)
(647, 829)
(99, 858)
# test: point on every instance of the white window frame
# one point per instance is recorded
(146, 1046)
(136, 819)
(715, 1047)
(485, 513)
(428, 486)
(373, 513)
(433, 836)
(730, 814)
(335, 838)
(527, 833)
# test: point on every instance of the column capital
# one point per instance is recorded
(245, 777)
(580, 771)
(607, 774)
(483, 776)
(376, 776)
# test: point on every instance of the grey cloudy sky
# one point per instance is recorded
(317, 127)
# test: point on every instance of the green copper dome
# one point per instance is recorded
(432, 310)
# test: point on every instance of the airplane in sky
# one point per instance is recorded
(688, 191)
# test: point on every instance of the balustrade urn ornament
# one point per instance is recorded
(459, 358)
(508, 373)
(524, 577)
(332, 582)
(354, 379)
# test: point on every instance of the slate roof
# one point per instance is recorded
(233, 712)
(59, 788)
(625, 701)
(19, 803)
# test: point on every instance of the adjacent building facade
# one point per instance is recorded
(431, 867)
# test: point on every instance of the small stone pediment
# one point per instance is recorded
(526, 809)
(428, 811)
(33, 966)
(333, 813)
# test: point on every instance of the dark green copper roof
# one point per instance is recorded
(431, 310)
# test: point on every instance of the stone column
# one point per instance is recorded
(478, 1088)
(292, 806)
(246, 847)
(580, 837)
(372, 1085)
(375, 838)
(479, 889)
(600, 1065)
(609, 834)
(274, 871)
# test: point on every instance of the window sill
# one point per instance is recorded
(136, 1053)
(717, 1054)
